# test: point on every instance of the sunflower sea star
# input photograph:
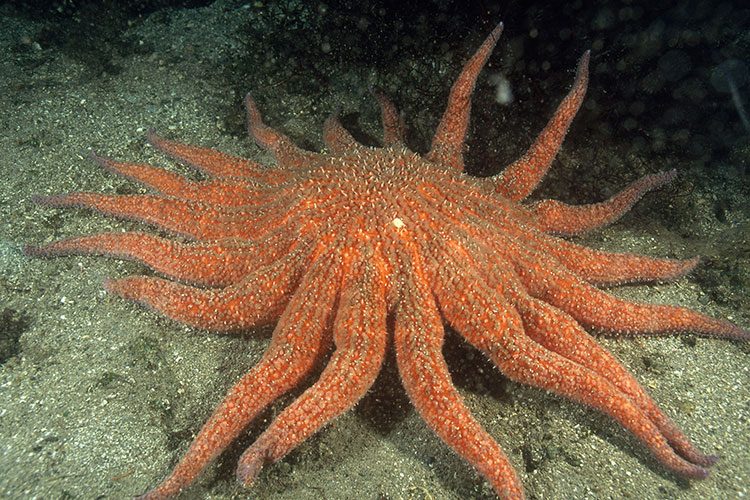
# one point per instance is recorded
(363, 244)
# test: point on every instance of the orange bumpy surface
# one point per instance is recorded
(347, 249)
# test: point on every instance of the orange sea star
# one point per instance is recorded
(363, 244)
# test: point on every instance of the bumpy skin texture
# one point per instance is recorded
(329, 246)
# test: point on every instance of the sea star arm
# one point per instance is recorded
(496, 329)
(164, 181)
(213, 162)
(394, 128)
(222, 192)
(520, 178)
(336, 137)
(257, 299)
(359, 333)
(611, 268)
(299, 339)
(535, 365)
(594, 307)
(418, 341)
(286, 152)
(218, 263)
(558, 332)
(594, 266)
(448, 142)
(557, 217)
(190, 218)
(194, 219)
